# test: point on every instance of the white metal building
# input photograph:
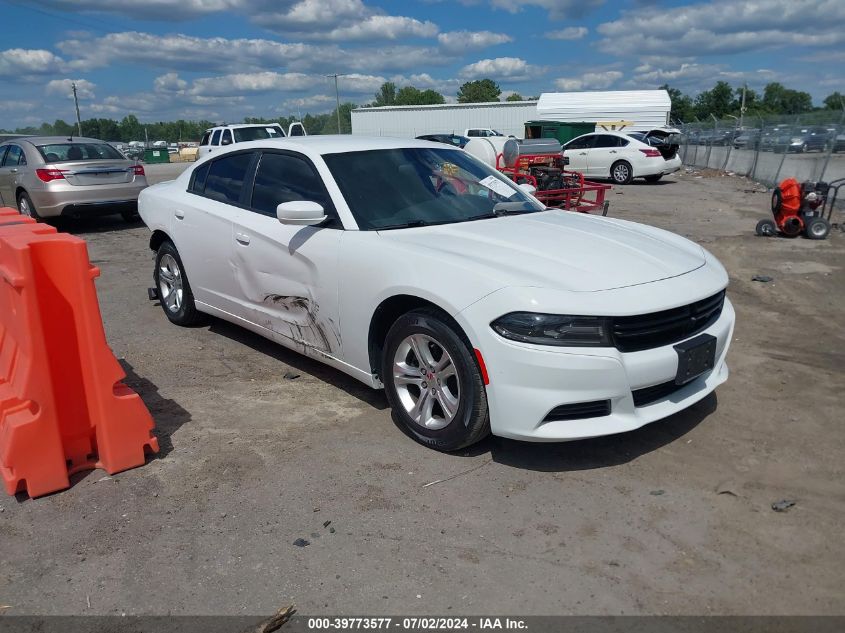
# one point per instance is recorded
(508, 117)
(646, 109)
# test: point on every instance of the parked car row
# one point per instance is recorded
(415, 268)
(799, 139)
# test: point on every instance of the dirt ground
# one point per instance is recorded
(672, 519)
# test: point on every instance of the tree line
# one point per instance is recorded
(724, 100)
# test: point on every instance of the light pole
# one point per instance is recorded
(337, 97)
(76, 103)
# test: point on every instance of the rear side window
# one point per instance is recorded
(215, 139)
(205, 138)
(606, 140)
(14, 157)
(285, 178)
(226, 175)
(198, 178)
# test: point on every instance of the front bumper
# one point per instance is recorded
(528, 381)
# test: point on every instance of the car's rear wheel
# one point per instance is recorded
(25, 206)
(433, 382)
(174, 290)
(621, 172)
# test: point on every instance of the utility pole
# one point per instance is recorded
(337, 97)
(76, 103)
(742, 107)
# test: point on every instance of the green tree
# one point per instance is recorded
(409, 95)
(515, 97)
(835, 101)
(716, 101)
(781, 100)
(682, 107)
(330, 126)
(386, 95)
(131, 129)
(479, 91)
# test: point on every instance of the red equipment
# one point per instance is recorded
(556, 187)
(801, 208)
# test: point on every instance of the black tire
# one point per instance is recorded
(654, 178)
(471, 420)
(777, 200)
(817, 229)
(621, 172)
(766, 228)
(23, 198)
(184, 312)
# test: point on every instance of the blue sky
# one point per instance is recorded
(226, 59)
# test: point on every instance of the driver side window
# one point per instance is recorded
(286, 178)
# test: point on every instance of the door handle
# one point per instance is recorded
(13, 171)
(582, 153)
(613, 151)
(242, 238)
(180, 215)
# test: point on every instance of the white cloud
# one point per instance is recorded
(19, 62)
(148, 9)
(599, 80)
(169, 82)
(569, 33)
(723, 27)
(508, 68)
(459, 42)
(63, 88)
(558, 9)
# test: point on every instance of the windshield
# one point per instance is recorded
(257, 133)
(64, 152)
(398, 188)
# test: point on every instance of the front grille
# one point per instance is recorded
(579, 411)
(647, 331)
(647, 395)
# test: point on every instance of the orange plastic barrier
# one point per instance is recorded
(63, 407)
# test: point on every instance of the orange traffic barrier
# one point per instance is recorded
(63, 407)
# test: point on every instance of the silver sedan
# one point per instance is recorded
(50, 176)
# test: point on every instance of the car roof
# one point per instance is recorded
(339, 143)
(47, 140)
(240, 125)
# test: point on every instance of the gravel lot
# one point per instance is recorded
(672, 519)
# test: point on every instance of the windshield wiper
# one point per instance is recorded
(407, 225)
(512, 208)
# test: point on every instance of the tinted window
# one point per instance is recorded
(226, 177)
(257, 133)
(60, 152)
(284, 178)
(13, 156)
(198, 178)
(473, 133)
(215, 139)
(3, 150)
(205, 138)
(227, 137)
(606, 140)
(580, 143)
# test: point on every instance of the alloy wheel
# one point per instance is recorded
(170, 285)
(23, 207)
(426, 381)
(620, 173)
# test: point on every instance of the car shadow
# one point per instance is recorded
(316, 369)
(600, 452)
(94, 224)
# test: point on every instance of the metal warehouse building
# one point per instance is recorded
(645, 109)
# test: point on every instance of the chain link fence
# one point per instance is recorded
(805, 147)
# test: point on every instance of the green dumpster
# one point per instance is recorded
(156, 156)
(563, 132)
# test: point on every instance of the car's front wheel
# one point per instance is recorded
(174, 290)
(433, 382)
(621, 173)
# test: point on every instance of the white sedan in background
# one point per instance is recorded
(415, 268)
(619, 157)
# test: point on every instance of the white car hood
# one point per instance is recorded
(555, 249)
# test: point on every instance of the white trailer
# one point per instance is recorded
(508, 117)
(645, 109)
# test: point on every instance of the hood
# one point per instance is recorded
(555, 249)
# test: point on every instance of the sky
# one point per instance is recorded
(223, 60)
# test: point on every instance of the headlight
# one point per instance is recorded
(554, 329)
(796, 141)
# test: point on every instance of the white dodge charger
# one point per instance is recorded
(415, 268)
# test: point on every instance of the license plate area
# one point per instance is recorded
(696, 356)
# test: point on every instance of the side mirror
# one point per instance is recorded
(301, 213)
(225, 141)
(529, 189)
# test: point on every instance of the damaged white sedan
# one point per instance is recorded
(415, 268)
